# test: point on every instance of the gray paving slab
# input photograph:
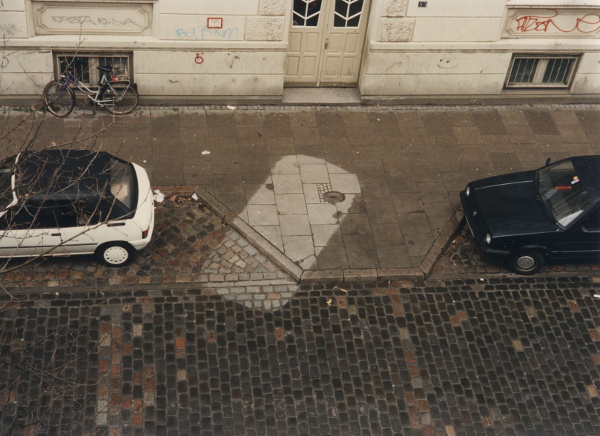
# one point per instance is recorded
(331, 188)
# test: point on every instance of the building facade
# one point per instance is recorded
(180, 51)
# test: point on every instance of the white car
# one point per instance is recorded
(64, 202)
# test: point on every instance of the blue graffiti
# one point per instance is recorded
(203, 32)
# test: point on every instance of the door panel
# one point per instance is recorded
(79, 240)
(25, 242)
(583, 240)
(305, 46)
(85, 239)
(344, 52)
(325, 47)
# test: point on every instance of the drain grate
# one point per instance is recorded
(326, 195)
(333, 197)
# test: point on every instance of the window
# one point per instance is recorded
(562, 191)
(347, 13)
(20, 218)
(83, 66)
(591, 223)
(306, 13)
(542, 71)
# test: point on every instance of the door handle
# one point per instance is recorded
(326, 43)
(115, 224)
(54, 234)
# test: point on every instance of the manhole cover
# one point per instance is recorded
(333, 197)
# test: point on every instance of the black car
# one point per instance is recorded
(532, 217)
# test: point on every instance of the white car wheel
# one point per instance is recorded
(115, 254)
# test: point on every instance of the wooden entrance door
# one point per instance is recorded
(326, 42)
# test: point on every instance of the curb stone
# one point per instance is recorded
(255, 238)
(442, 242)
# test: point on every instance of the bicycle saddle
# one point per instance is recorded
(105, 69)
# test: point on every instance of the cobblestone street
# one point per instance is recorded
(474, 356)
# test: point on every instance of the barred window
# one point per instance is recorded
(83, 66)
(541, 71)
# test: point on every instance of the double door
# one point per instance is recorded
(326, 42)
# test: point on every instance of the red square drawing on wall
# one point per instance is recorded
(214, 23)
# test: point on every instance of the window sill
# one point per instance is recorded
(538, 90)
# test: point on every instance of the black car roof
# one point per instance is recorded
(588, 169)
(62, 174)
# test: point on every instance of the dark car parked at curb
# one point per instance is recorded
(532, 217)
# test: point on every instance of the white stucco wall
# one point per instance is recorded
(13, 19)
(459, 48)
(178, 53)
(434, 73)
(215, 72)
(13, 79)
(588, 75)
(449, 47)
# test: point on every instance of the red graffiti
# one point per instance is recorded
(532, 23)
(199, 59)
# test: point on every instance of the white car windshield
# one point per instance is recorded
(563, 192)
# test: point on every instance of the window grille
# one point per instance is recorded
(83, 66)
(306, 13)
(541, 71)
(347, 13)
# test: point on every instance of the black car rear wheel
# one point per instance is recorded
(526, 262)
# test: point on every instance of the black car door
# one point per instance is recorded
(582, 240)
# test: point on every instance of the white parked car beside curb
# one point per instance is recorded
(64, 202)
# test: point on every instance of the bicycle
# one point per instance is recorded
(119, 97)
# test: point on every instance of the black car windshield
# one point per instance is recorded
(563, 192)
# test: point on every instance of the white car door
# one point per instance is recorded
(20, 235)
(21, 242)
(85, 239)
(81, 239)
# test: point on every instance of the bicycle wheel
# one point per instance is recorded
(121, 98)
(59, 99)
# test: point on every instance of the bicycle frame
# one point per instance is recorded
(95, 94)
(119, 97)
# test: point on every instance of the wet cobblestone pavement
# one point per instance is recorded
(190, 245)
(492, 356)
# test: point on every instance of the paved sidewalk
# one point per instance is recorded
(339, 191)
